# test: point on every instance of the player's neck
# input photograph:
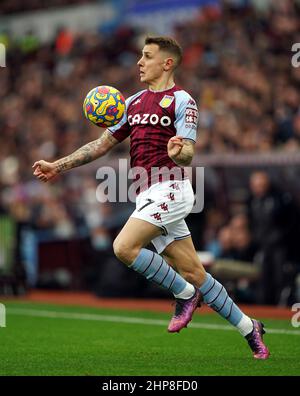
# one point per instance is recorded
(163, 85)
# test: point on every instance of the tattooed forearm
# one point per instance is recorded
(82, 156)
(87, 153)
(184, 158)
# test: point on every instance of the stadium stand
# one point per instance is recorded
(17, 6)
(237, 64)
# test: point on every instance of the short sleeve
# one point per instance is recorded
(122, 130)
(186, 116)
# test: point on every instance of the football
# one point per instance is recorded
(104, 106)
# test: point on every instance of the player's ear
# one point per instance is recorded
(169, 64)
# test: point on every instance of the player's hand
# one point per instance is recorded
(44, 170)
(175, 145)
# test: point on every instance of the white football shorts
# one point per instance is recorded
(166, 205)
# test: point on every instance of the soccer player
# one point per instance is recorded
(161, 122)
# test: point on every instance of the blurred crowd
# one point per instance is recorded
(16, 6)
(237, 65)
(263, 233)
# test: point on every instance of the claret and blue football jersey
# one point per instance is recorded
(151, 119)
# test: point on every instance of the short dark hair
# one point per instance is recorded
(167, 44)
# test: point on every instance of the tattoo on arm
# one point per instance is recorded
(87, 153)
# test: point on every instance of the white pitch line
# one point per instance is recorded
(129, 320)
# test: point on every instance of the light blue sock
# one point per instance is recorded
(155, 268)
(215, 295)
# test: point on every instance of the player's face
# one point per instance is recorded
(151, 65)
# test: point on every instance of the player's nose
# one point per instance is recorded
(140, 62)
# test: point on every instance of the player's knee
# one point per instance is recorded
(124, 252)
(121, 251)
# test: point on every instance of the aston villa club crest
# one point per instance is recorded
(166, 101)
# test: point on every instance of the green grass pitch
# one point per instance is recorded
(42, 339)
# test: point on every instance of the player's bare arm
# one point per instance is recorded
(181, 150)
(87, 153)
(45, 171)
